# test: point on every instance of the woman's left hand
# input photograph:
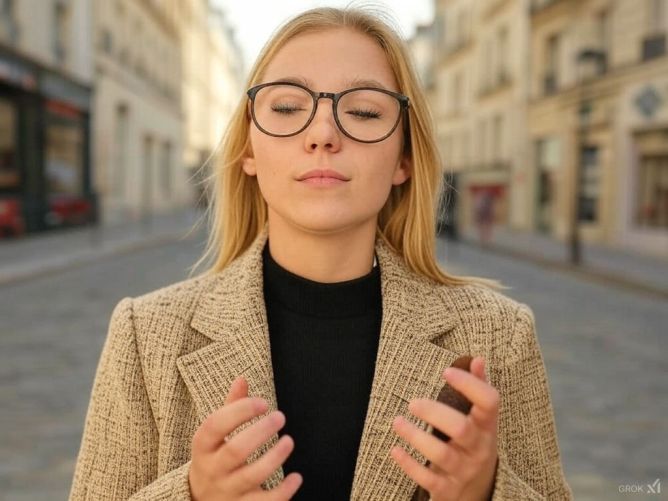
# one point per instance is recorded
(463, 469)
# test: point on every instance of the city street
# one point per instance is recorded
(603, 348)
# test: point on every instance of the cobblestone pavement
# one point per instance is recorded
(602, 347)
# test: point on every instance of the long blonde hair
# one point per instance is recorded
(237, 211)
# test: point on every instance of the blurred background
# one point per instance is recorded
(551, 118)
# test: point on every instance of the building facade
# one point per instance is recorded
(139, 116)
(480, 103)
(46, 81)
(211, 86)
(598, 122)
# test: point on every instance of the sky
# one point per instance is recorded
(255, 20)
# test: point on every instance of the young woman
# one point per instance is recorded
(306, 362)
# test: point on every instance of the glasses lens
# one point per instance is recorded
(282, 109)
(368, 115)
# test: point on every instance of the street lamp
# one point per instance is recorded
(584, 61)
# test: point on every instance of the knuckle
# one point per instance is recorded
(495, 398)
(443, 455)
(234, 453)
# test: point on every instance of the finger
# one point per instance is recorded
(442, 417)
(236, 450)
(483, 396)
(238, 389)
(223, 421)
(438, 452)
(424, 476)
(478, 368)
(250, 476)
(285, 490)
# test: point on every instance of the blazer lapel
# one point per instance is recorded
(232, 314)
(409, 365)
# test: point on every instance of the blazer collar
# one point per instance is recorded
(409, 363)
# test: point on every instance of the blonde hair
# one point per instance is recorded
(237, 211)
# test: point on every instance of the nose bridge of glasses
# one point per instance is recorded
(328, 95)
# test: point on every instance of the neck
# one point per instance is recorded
(325, 256)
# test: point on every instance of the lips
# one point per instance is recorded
(327, 173)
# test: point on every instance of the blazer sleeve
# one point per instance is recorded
(529, 462)
(118, 455)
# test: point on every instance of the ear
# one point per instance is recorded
(403, 170)
(249, 166)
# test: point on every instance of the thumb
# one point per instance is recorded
(238, 390)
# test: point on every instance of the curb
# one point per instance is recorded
(28, 271)
(584, 271)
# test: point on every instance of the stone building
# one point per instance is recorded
(46, 82)
(481, 101)
(598, 122)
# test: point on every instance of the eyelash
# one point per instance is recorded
(359, 113)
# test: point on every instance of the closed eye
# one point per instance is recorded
(364, 113)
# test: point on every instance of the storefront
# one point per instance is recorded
(44, 149)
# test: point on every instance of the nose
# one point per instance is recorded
(322, 132)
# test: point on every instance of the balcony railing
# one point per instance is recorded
(537, 6)
(550, 84)
(654, 46)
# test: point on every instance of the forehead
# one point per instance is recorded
(332, 60)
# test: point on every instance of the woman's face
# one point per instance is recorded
(328, 61)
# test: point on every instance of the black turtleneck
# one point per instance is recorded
(324, 341)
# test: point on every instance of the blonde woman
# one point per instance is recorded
(306, 362)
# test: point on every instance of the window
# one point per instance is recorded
(8, 22)
(166, 177)
(589, 185)
(547, 163)
(119, 165)
(147, 176)
(656, 16)
(652, 209)
(64, 150)
(482, 131)
(60, 31)
(552, 65)
(9, 167)
(654, 44)
(652, 182)
(457, 92)
(498, 138)
(502, 75)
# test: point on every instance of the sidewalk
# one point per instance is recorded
(56, 250)
(42, 253)
(618, 267)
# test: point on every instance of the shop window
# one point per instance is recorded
(64, 151)
(10, 178)
(652, 210)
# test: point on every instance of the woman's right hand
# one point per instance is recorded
(218, 470)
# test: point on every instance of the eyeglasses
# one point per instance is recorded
(365, 114)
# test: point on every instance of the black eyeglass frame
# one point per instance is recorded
(404, 104)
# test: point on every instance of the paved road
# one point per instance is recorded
(602, 347)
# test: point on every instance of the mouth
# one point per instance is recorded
(323, 174)
(322, 181)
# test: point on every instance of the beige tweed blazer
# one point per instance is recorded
(170, 357)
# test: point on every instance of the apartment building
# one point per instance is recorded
(598, 122)
(46, 81)
(481, 101)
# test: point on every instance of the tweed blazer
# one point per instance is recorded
(170, 357)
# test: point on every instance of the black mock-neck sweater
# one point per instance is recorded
(324, 341)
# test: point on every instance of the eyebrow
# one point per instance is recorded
(354, 82)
